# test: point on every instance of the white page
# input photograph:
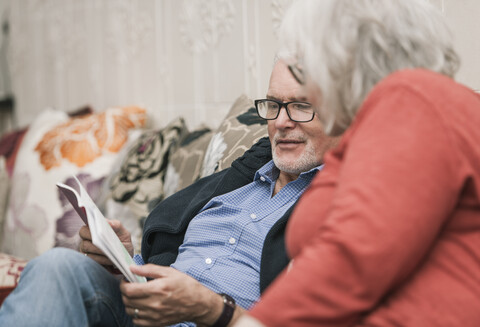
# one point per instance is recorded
(103, 236)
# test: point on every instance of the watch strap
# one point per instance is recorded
(227, 313)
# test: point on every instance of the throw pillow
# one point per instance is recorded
(138, 184)
(185, 163)
(10, 270)
(240, 129)
(54, 148)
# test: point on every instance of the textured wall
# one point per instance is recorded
(177, 57)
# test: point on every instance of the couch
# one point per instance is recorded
(127, 170)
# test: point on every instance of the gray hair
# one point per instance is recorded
(348, 46)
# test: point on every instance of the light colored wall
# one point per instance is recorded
(463, 17)
(188, 58)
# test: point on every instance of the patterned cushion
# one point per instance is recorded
(240, 129)
(55, 148)
(10, 270)
(138, 184)
(186, 162)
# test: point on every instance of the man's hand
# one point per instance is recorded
(87, 247)
(171, 297)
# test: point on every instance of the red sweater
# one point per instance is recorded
(389, 232)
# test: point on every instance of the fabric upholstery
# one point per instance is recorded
(186, 162)
(137, 186)
(240, 129)
(54, 148)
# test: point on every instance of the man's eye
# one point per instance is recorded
(301, 106)
(272, 105)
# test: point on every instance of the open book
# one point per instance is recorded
(103, 235)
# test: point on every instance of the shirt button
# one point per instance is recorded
(208, 261)
(231, 240)
(253, 216)
(262, 178)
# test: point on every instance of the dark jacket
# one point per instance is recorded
(166, 225)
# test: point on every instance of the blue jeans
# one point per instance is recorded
(64, 288)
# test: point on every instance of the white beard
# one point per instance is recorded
(306, 161)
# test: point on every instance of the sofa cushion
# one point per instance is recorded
(137, 185)
(54, 148)
(186, 162)
(238, 131)
(10, 270)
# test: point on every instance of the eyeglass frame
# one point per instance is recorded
(283, 105)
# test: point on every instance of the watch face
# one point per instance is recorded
(228, 300)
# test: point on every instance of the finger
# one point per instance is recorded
(84, 233)
(102, 260)
(89, 248)
(151, 271)
(145, 309)
(134, 303)
(131, 311)
(122, 233)
(138, 317)
(115, 224)
(149, 311)
(134, 291)
(144, 322)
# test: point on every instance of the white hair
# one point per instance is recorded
(348, 46)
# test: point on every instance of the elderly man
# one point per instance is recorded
(222, 238)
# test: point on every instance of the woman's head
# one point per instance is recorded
(347, 46)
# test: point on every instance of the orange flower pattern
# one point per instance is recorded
(82, 140)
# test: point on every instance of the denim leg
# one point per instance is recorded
(64, 288)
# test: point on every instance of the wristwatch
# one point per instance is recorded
(227, 313)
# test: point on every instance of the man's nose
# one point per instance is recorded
(283, 121)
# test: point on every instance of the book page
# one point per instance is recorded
(74, 198)
(103, 236)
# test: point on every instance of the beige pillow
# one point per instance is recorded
(186, 162)
(240, 129)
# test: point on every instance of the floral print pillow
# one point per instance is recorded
(55, 148)
(240, 129)
(137, 186)
(139, 182)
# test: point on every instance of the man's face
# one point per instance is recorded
(296, 147)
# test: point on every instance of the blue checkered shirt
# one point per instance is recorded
(223, 243)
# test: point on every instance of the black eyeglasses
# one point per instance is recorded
(297, 111)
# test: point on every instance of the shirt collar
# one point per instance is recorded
(270, 172)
